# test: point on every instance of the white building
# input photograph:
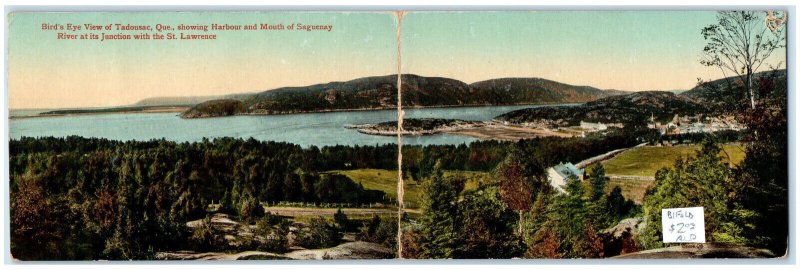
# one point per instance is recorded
(593, 126)
(559, 175)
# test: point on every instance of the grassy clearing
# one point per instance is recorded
(645, 161)
(383, 180)
(631, 189)
(386, 181)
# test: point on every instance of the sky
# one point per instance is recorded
(624, 50)
(48, 73)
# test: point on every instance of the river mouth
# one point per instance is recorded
(306, 130)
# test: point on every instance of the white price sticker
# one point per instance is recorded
(683, 225)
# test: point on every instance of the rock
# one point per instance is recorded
(346, 251)
(620, 238)
(246, 255)
(708, 250)
(629, 225)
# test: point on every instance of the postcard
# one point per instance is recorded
(267, 135)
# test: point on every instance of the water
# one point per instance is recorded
(318, 129)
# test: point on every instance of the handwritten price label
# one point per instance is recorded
(683, 225)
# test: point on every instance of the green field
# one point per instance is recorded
(631, 189)
(386, 181)
(645, 161)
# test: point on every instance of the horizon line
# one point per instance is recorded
(372, 76)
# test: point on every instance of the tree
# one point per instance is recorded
(251, 210)
(319, 234)
(590, 245)
(515, 190)
(440, 219)
(487, 230)
(545, 244)
(569, 218)
(36, 221)
(703, 180)
(740, 43)
(764, 171)
(341, 220)
(597, 211)
(598, 179)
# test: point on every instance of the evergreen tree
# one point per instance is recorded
(703, 180)
(487, 230)
(597, 177)
(341, 220)
(440, 219)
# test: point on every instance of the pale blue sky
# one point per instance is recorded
(627, 50)
(45, 72)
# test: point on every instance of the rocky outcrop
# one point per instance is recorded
(694, 251)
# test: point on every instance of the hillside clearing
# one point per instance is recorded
(646, 160)
(386, 181)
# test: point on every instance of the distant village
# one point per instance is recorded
(560, 174)
(695, 124)
(679, 125)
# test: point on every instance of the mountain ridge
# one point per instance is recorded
(380, 92)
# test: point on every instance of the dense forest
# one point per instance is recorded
(87, 198)
(631, 108)
(80, 198)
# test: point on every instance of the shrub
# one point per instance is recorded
(320, 234)
(207, 238)
(379, 231)
(271, 231)
(251, 210)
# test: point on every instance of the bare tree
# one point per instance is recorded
(740, 42)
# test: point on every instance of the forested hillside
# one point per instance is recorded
(634, 107)
(380, 92)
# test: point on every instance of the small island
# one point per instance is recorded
(479, 129)
(416, 126)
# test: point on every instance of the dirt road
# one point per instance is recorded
(302, 211)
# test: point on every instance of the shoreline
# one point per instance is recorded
(391, 108)
(181, 109)
(165, 109)
(485, 130)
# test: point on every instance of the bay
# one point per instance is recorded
(320, 129)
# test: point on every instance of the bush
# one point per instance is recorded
(320, 234)
(276, 241)
(251, 210)
(380, 232)
(341, 220)
(271, 232)
(206, 238)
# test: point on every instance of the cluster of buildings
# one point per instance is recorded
(695, 124)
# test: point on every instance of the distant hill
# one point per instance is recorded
(185, 101)
(633, 107)
(716, 97)
(215, 108)
(728, 93)
(537, 90)
(380, 92)
(182, 101)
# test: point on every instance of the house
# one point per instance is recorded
(559, 175)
